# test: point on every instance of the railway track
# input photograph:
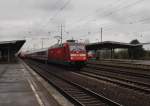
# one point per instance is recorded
(136, 86)
(122, 77)
(128, 65)
(126, 71)
(119, 61)
(79, 95)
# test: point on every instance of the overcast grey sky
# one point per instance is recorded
(122, 20)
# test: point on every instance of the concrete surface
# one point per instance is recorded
(15, 90)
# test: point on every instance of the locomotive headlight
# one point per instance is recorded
(73, 55)
(82, 54)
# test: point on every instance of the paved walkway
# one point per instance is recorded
(15, 86)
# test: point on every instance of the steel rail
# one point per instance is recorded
(121, 70)
(122, 65)
(126, 84)
(79, 95)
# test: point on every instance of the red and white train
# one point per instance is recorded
(70, 53)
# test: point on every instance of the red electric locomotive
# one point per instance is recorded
(70, 53)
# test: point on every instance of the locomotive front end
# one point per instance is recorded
(78, 55)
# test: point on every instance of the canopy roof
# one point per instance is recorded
(109, 44)
(14, 45)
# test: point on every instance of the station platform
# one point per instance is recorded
(15, 90)
(18, 87)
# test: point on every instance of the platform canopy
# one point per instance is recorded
(13, 45)
(109, 45)
(8, 49)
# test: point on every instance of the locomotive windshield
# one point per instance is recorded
(77, 47)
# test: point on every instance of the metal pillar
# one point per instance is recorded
(8, 55)
(111, 53)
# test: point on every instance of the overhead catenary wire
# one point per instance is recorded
(121, 7)
(60, 9)
(110, 6)
(51, 17)
(101, 10)
(55, 14)
(124, 7)
(115, 10)
(127, 6)
(96, 10)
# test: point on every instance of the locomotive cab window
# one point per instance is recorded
(76, 47)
